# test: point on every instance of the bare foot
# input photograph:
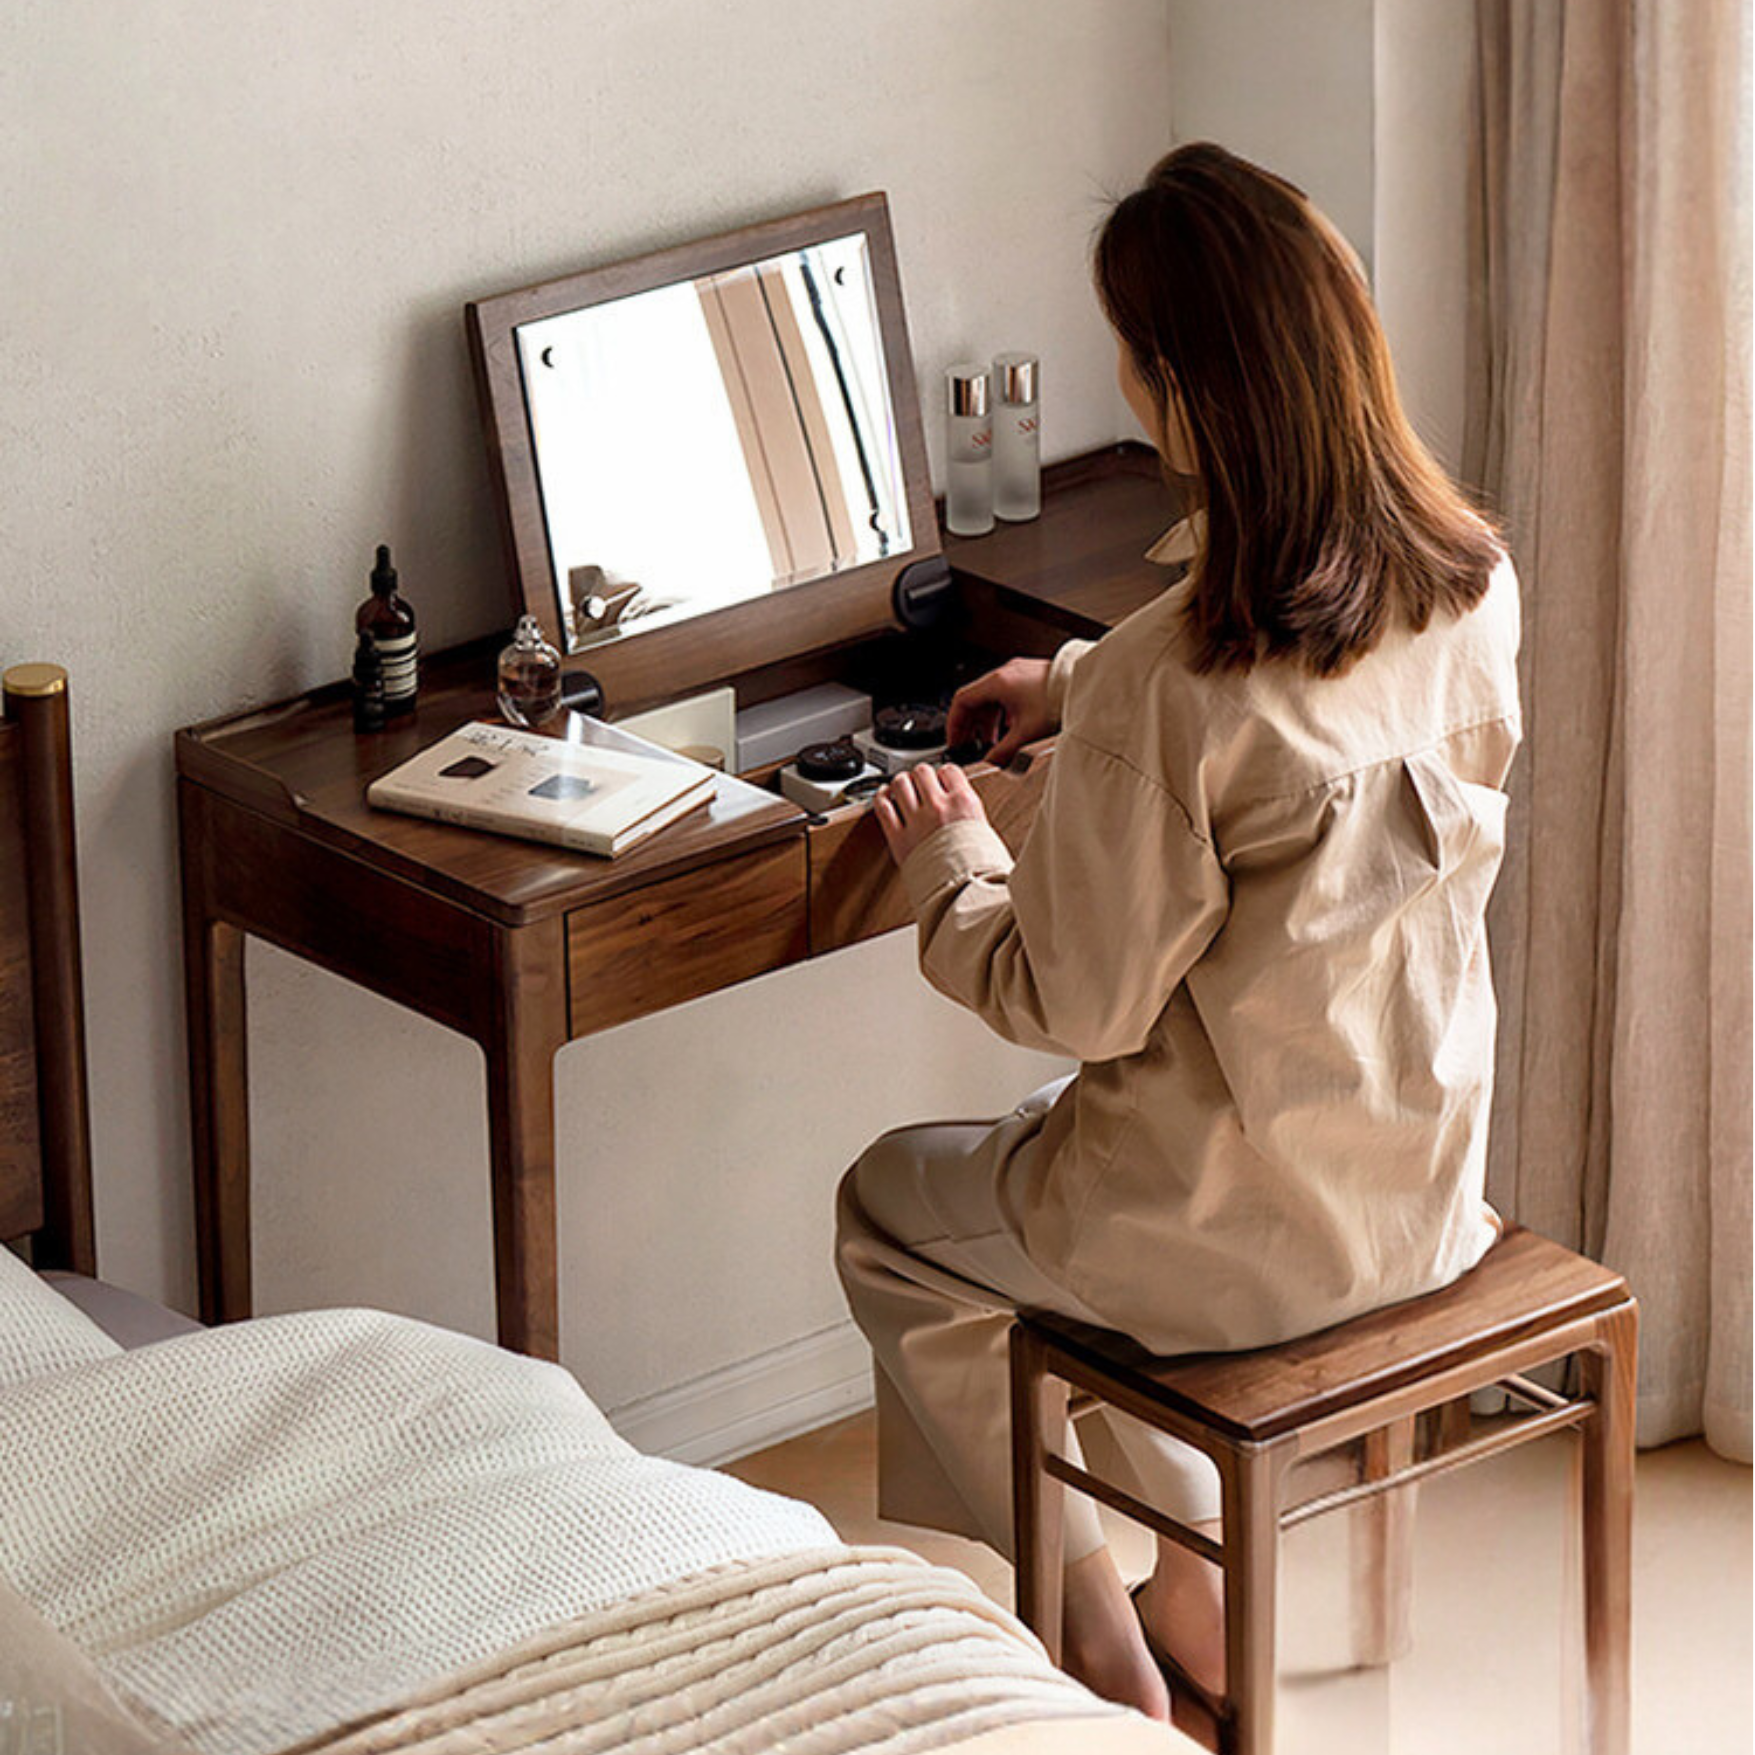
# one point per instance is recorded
(1183, 1606)
(1102, 1645)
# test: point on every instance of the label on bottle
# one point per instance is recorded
(398, 660)
(971, 439)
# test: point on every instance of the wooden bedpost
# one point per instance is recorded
(36, 702)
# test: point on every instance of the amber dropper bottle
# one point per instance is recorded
(386, 619)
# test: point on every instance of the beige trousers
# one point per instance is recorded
(934, 1277)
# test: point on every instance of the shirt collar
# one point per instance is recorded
(1181, 542)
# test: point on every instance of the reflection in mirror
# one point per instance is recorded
(711, 440)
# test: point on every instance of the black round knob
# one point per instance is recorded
(909, 727)
(829, 761)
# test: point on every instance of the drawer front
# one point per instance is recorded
(855, 892)
(686, 935)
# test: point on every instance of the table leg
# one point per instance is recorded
(528, 1028)
(219, 1106)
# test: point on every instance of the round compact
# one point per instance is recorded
(830, 761)
(908, 727)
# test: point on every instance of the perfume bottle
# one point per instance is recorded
(530, 676)
(969, 435)
(1017, 439)
(368, 686)
(386, 619)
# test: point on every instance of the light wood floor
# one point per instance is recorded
(1495, 1618)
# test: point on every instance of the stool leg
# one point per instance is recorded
(1039, 1408)
(1249, 1479)
(1454, 1420)
(1381, 1538)
(1610, 1373)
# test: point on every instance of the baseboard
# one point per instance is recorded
(754, 1403)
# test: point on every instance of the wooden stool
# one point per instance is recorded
(1386, 1395)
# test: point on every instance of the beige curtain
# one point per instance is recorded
(1609, 425)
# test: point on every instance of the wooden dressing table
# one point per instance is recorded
(523, 948)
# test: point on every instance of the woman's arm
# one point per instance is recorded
(1077, 948)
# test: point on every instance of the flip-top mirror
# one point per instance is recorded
(709, 428)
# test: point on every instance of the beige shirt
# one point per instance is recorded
(1253, 907)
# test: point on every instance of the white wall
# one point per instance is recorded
(1287, 83)
(239, 239)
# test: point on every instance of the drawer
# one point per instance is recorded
(855, 892)
(685, 935)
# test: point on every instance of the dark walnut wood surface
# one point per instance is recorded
(1077, 569)
(1525, 1283)
(45, 1122)
(1083, 562)
(21, 1199)
(302, 764)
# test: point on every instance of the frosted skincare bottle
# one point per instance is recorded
(1017, 438)
(969, 477)
(388, 622)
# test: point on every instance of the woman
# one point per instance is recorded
(1251, 906)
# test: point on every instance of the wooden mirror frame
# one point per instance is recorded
(706, 648)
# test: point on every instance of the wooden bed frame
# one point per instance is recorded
(45, 1124)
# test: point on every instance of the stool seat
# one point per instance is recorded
(1523, 1285)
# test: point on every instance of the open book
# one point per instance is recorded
(599, 797)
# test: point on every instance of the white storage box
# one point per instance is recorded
(775, 731)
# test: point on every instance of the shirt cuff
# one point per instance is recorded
(1060, 671)
(952, 855)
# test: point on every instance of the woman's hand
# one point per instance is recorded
(920, 801)
(1007, 708)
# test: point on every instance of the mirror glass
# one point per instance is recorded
(712, 440)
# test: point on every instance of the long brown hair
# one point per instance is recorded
(1241, 306)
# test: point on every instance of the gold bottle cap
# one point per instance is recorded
(35, 679)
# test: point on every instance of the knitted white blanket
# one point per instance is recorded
(264, 1531)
